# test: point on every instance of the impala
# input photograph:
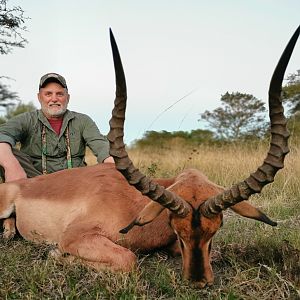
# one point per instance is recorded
(103, 214)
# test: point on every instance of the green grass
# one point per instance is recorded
(250, 260)
(260, 268)
(256, 270)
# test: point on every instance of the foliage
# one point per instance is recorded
(12, 21)
(291, 92)
(239, 115)
(294, 128)
(165, 138)
(19, 109)
(12, 111)
(7, 98)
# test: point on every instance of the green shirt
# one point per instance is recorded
(26, 128)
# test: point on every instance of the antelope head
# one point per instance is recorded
(196, 221)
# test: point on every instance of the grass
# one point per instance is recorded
(250, 260)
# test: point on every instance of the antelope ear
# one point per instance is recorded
(147, 215)
(245, 209)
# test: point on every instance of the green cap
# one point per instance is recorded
(52, 77)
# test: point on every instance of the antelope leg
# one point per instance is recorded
(97, 251)
(9, 226)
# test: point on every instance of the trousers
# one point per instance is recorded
(26, 163)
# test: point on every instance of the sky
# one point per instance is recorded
(169, 49)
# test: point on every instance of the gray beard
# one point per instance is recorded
(59, 113)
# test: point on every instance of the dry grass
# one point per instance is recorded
(250, 260)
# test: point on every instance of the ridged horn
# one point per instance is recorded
(117, 147)
(278, 146)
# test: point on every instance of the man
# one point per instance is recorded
(52, 138)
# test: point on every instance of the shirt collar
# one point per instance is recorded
(66, 118)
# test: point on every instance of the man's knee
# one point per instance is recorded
(26, 163)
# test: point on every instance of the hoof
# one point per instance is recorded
(8, 234)
(9, 228)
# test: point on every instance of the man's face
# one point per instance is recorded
(54, 100)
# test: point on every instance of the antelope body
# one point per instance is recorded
(82, 210)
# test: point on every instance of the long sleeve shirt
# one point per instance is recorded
(26, 129)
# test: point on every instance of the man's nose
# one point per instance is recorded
(54, 97)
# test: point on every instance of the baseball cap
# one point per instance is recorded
(52, 77)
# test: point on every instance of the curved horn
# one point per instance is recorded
(117, 147)
(278, 147)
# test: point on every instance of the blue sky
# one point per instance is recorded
(168, 49)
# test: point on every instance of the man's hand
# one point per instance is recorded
(14, 173)
(13, 169)
(109, 160)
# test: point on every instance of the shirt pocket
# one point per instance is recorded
(76, 143)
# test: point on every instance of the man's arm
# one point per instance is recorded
(96, 141)
(13, 169)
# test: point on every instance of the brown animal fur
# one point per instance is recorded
(85, 208)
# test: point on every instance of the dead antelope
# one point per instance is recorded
(85, 211)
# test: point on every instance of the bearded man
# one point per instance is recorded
(51, 138)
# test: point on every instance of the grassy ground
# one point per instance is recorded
(250, 260)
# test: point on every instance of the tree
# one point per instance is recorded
(19, 109)
(291, 92)
(240, 115)
(165, 138)
(12, 21)
(7, 98)
(11, 27)
(12, 111)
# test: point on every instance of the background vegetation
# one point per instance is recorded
(250, 260)
(291, 92)
(12, 27)
(239, 115)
